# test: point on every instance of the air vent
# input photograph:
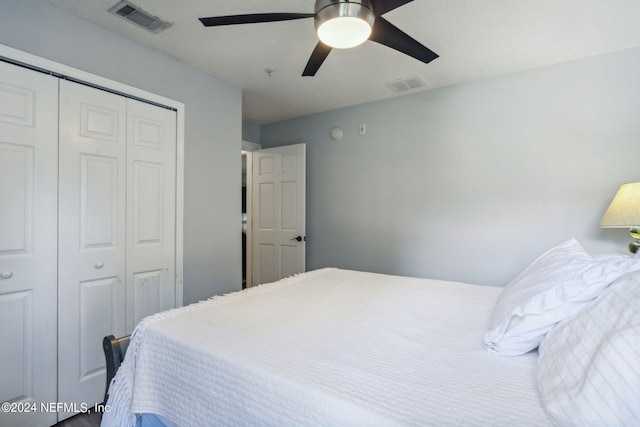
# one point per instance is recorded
(407, 84)
(139, 17)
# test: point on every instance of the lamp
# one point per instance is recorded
(624, 211)
(343, 23)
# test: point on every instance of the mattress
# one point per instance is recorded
(329, 347)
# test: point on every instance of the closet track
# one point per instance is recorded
(82, 82)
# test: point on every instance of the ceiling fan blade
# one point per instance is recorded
(380, 7)
(385, 33)
(253, 18)
(318, 56)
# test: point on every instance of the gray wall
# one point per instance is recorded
(212, 242)
(472, 182)
(250, 132)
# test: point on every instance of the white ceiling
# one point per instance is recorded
(475, 39)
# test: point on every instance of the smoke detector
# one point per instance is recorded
(134, 14)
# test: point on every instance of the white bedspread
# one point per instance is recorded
(329, 347)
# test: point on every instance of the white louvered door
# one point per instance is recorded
(92, 242)
(28, 243)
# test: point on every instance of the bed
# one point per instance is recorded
(337, 347)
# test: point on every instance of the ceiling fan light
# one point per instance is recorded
(344, 32)
(343, 24)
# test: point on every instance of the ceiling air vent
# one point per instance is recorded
(139, 17)
(407, 84)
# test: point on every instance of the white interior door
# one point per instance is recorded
(28, 242)
(92, 243)
(151, 210)
(278, 187)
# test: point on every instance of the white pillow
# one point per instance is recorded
(589, 366)
(555, 286)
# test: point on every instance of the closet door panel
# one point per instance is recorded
(92, 243)
(98, 311)
(17, 186)
(151, 220)
(28, 242)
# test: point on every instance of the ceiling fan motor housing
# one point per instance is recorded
(329, 9)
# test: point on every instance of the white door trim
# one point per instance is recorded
(247, 148)
(35, 62)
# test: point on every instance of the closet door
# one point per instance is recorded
(92, 244)
(28, 242)
(151, 210)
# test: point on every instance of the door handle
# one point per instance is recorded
(7, 275)
(300, 238)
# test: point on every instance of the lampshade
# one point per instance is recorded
(624, 210)
(342, 23)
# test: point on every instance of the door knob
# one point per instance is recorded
(99, 265)
(299, 238)
(7, 275)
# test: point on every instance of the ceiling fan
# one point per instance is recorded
(342, 24)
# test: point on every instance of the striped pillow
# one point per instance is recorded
(589, 365)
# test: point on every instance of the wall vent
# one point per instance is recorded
(133, 13)
(407, 84)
